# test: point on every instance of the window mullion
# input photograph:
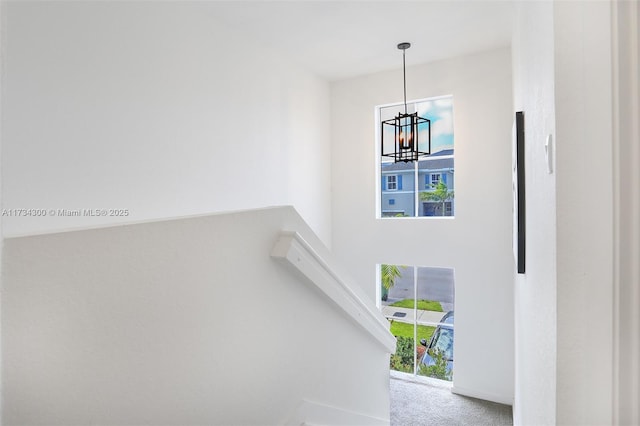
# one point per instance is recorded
(416, 191)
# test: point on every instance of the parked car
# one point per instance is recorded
(441, 340)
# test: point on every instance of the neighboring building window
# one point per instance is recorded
(428, 188)
(392, 183)
(392, 202)
(432, 180)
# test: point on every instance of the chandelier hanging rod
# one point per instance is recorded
(403, 47)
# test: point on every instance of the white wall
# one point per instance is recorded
(535, 291)
(163, 323)
(477, 243)
(157, 108)
(584, 197)
(564, 304)
(626, 168)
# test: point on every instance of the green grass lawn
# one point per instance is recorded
(424, 305)
(402, 329)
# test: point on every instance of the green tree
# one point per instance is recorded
(440, 194)
(388, 275)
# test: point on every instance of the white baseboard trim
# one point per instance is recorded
(500, 399)
(429, 381)
(310, 413)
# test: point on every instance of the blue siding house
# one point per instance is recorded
(402, 184)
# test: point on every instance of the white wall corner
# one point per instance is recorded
(583, 75)
(626, 166)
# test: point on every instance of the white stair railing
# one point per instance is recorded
(296, 253)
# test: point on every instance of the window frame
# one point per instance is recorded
(379, 214)
(388, 183)
(416, 322)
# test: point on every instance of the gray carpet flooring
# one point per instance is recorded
(416, 404)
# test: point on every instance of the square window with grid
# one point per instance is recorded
(424, 187)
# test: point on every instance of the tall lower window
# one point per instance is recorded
(419, 304)
(424, 187)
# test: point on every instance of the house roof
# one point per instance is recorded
(442, 153)
(433, 162)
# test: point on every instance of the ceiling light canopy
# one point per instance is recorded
(406, 127)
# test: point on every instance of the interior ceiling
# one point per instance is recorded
(343, 39)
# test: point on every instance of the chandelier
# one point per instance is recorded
(406, 127)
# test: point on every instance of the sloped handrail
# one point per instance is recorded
(296, 253)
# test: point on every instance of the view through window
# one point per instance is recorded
(424, 187)
(419, 304)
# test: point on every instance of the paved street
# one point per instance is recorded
(433, 284)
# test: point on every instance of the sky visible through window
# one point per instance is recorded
(440, 112)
